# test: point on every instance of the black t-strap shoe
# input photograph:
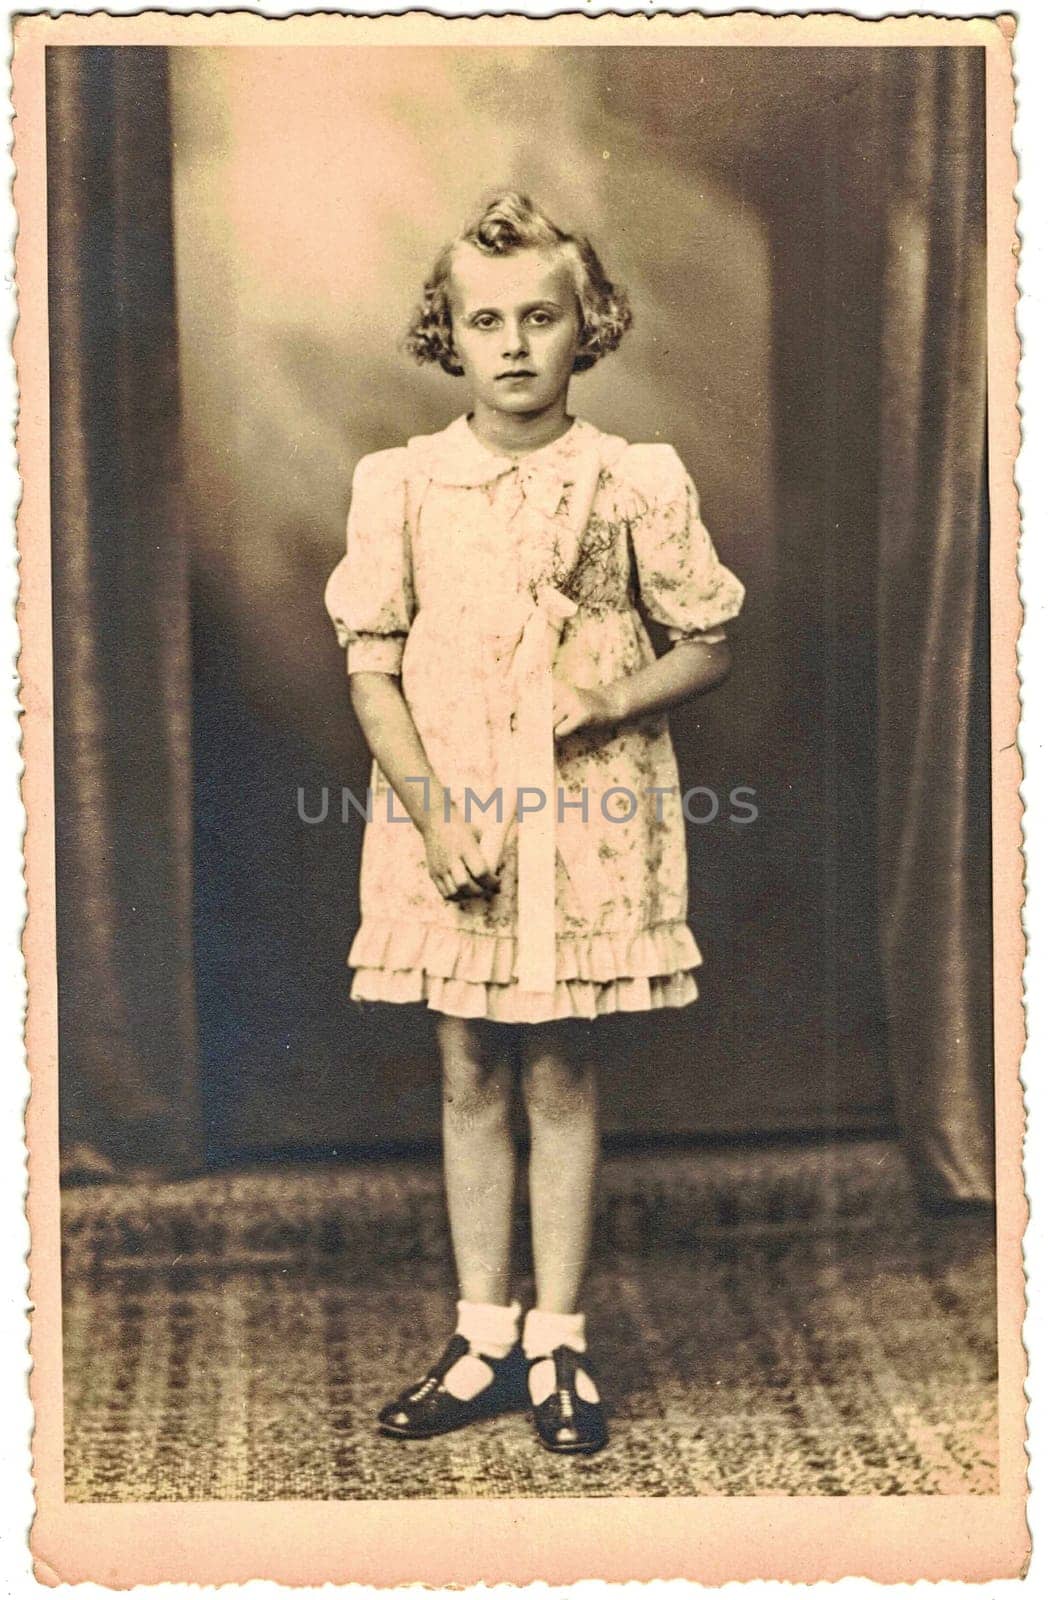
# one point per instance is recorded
(428, 1409)
(564, 1421)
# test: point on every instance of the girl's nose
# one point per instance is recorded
(516, 343)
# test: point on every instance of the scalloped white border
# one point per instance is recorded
(1031, 66)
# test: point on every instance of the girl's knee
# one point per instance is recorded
(475, 1068)
(558, 1089)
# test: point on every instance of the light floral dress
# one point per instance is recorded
(475, 577)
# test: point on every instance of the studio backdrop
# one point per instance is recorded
(802, 236)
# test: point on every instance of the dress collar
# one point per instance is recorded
(455, 455)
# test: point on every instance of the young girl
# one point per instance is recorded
(524, 866)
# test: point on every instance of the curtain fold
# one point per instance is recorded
(127, 1058)
(933, 687)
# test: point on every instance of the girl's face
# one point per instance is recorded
(515, 326)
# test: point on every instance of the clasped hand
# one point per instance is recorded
(454, 859)
(575, 709)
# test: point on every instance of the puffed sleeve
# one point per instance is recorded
(370, 596)
(683, 584)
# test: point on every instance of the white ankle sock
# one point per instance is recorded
(543, 1332)
(492, 1331)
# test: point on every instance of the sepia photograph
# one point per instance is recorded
(524, 939)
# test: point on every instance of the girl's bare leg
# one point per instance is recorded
(559, 1084)
(479, 1156)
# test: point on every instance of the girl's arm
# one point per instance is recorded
(690, 668)
(453, 855)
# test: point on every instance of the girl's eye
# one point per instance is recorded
(484, 322)
(541, 318)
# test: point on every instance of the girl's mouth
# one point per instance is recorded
(521, 374)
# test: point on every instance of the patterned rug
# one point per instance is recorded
(310, 1215)
(825, 1354)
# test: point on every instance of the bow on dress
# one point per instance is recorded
(526, 776)
(556, 496)
(531, 628)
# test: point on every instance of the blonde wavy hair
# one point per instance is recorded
(509, 222)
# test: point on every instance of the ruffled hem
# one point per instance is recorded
(491, 958)
(471, 974)
(507, 1003)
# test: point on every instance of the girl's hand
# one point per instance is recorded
(575, 708)
(454, 859)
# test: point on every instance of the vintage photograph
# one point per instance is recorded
(516, 573)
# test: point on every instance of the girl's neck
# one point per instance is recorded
(512, 435)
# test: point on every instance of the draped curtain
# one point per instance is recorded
(127, 1091)
(933, 687)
